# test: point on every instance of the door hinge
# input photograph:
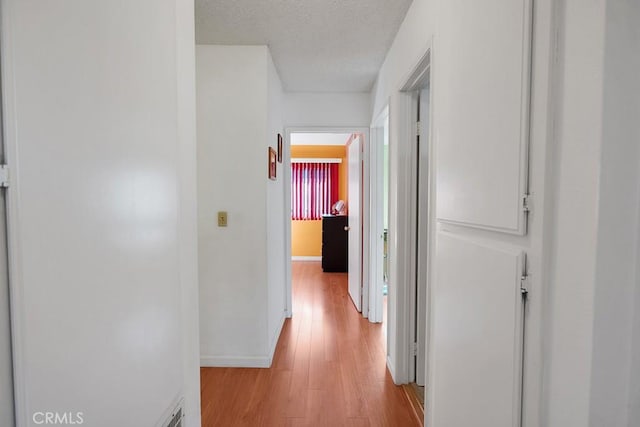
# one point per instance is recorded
(524, 278)
(525, 203)
(4, 176)
(418, 129)
(414, 349)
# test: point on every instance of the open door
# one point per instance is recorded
(354, 154)
(6, 365)
(378, 199)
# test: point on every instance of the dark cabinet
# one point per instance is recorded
(335, 243)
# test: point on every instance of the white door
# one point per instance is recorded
(379, 137)
(477, 334)
(100, 208)
(355, 223)
(6, 367)
(481, 170)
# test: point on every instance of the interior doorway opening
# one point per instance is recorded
(327, 199)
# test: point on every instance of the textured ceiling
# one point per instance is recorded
(317, 45)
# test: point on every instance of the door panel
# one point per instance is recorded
(483, 139)
(477, 334)
(6, 365)
(355, 228)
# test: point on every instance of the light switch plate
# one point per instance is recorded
(222, 219)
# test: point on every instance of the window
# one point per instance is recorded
(314, 189)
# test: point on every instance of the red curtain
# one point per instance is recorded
(314, 189)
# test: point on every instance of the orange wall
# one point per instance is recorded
(306, 236)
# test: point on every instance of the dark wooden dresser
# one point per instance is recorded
(335, 243)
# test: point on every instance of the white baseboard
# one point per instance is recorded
(306, 258)
(244, 361)
(235, 362)
(274, 342)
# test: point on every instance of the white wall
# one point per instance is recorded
(411, 42)
(277, 218)
(99, 215)
(236, 86)
(572, 254)
(612, 400)
(592, 377)
(327, 109)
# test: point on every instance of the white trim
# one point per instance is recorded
(402, 240)
(315, 160)
(306, 258)
(235, 361)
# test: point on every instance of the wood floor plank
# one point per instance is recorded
(329, 368)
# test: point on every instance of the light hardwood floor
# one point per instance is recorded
(329, 368)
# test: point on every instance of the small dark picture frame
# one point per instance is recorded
(272, 163)
(280, 148)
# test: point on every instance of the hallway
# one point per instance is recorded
(329, 368)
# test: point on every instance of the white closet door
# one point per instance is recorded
(483, 73)
(477, 335)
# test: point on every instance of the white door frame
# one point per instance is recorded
(7, 413)
(417, 81)
(403, 240)
(376, 216)
(18, 314)
(286, 165)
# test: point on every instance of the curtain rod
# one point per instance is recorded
(315, 160)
